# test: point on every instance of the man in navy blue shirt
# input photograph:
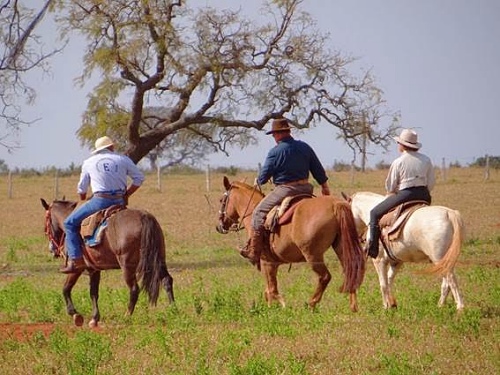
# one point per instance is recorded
(288, 165)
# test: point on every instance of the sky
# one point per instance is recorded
(437, 61)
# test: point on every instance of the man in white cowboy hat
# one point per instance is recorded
(106, 173)
(411, 177)
(288, 165)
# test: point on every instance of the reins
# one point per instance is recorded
(49, 233)
(238, 226)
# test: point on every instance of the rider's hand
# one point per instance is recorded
(325, 190)
(256, 182)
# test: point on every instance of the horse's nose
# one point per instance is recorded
(220, 229)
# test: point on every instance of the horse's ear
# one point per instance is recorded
(44, 204)
(346, 197)
(227, 184)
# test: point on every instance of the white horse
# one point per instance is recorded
(432, 233)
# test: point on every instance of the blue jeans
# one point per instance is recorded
(73, 223)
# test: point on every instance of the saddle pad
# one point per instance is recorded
(393, 222)
(90, 223)
(282, 214)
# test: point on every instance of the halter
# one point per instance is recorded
(235, 226)
(56, 246)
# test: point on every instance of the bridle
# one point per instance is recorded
(55, 245)
(235, 225)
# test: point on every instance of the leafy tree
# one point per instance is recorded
(22, 52)
(217, 74)
(493, 162)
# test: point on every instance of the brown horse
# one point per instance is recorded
(317, 224)
(132, 241)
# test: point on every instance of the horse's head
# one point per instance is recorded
(237, 204)
(228, 216)
(55, 214)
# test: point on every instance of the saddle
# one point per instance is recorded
(282, 213)
(393, 222)
(93, 227)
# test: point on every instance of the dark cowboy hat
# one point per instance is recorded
(279, 125)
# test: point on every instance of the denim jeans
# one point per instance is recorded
(73, 222)
(402, 196)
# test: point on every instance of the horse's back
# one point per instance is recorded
(315, 221)
(432, 228)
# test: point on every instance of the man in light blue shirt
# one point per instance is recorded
(106, 173)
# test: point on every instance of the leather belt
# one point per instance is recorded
(298, 182)
(109, 196)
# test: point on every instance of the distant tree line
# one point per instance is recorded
(494, 162)
(338, 166)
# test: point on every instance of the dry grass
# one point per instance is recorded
(220, 324)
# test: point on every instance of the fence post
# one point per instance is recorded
(9, 184)
(487, 168)
(158, 177)
(353, 170)
(443, 169)
(56, 184)
(207, 178)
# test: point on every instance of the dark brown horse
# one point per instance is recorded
(132, 241)
(317, 224)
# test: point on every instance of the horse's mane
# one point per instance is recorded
(368, 193)
(247, 188)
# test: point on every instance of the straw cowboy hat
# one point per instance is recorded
(408, 138)
(102, 143)
(279, 125)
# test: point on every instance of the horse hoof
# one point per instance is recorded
(93, 323)
(78, 320)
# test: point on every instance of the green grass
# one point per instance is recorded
(220, 322)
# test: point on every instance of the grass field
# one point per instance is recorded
(220, 323)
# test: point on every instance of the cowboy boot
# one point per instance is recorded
(373, 242)
(74, 266)
(253, 250)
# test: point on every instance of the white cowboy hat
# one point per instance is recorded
(408, 138)
(102, 143)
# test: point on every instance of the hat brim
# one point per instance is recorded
(101, 148)
(278, 130)
(415, 146)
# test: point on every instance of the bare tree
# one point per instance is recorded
(219, 74)
(21, 53)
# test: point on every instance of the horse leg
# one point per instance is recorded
(451, 283)
(270, 271)
(131, 280)
(391, 275)
(70, 282)
(445, 290)
(381, 267)
(95, 280)
(324, 278)
(353, 299)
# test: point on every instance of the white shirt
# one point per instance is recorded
(411, 169)
(107, 172)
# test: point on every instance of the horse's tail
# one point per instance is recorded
(449, 260)
(152, 268)
(351, 253)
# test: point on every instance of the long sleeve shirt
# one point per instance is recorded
(291, 160)
(107, 172)
(410, 169)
